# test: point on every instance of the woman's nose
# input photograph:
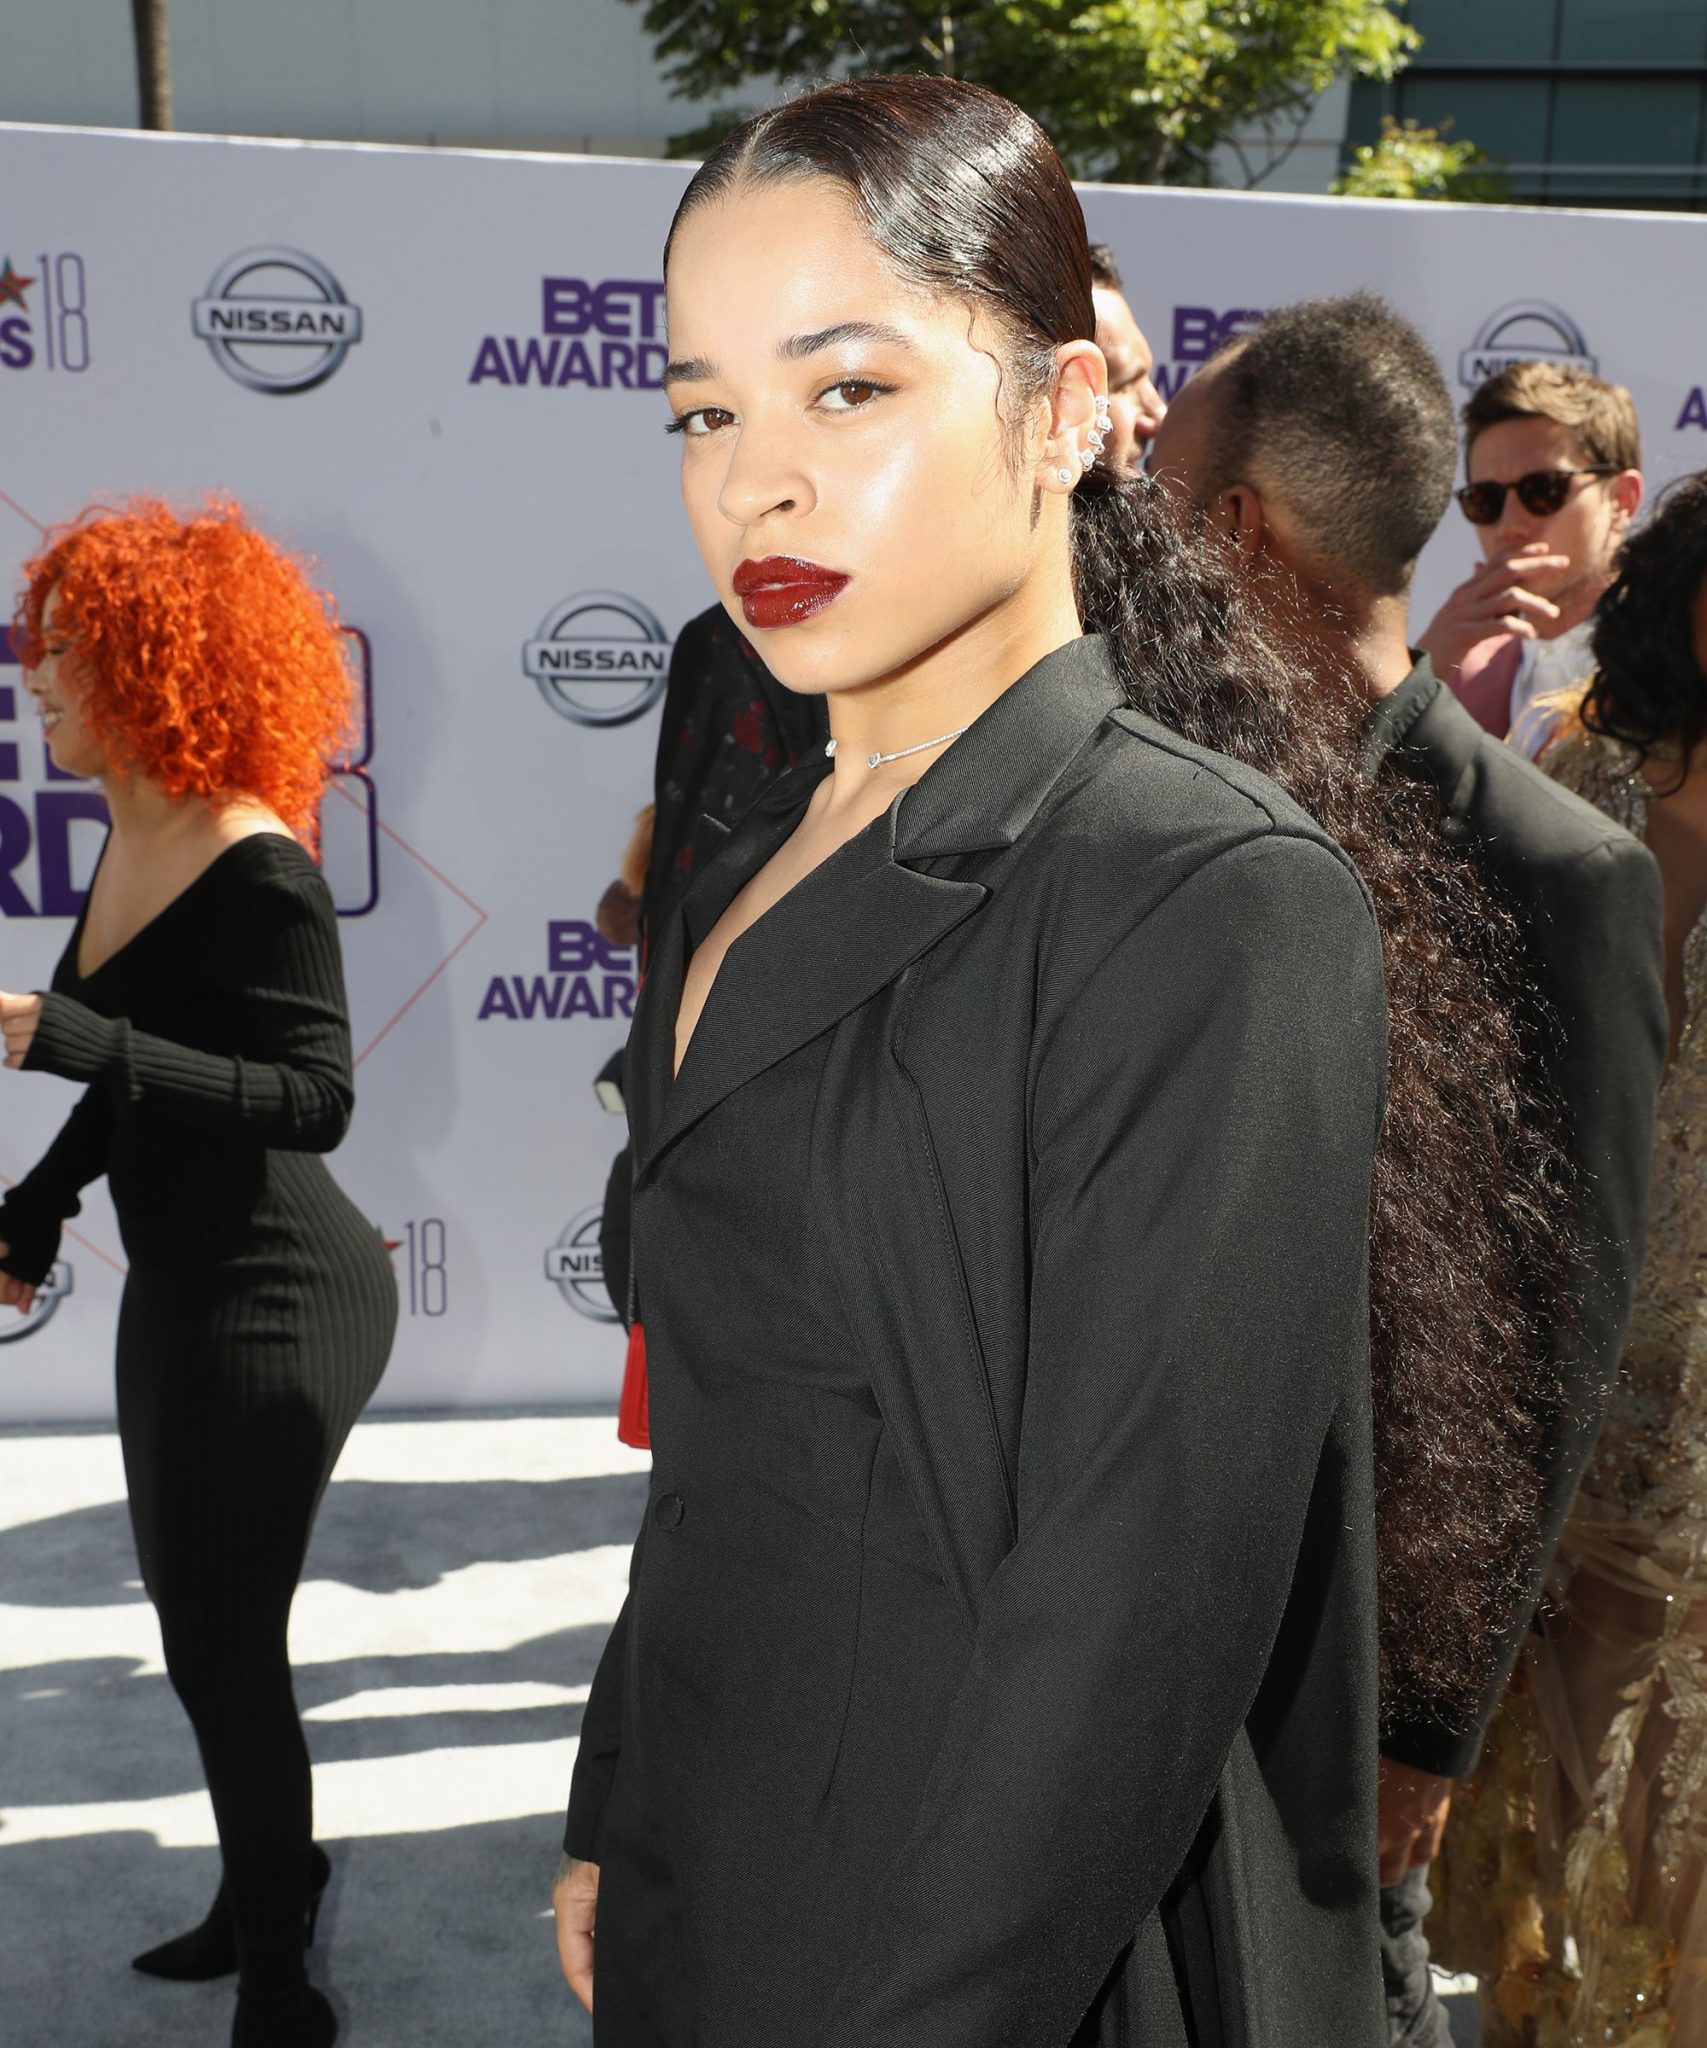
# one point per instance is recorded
(760, 479)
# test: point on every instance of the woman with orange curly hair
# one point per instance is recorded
(190, 666)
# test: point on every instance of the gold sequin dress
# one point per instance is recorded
(1572, 1878)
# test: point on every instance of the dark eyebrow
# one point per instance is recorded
(701, 370)
(799, 346)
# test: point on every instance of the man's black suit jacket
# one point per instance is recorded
(1587, 900)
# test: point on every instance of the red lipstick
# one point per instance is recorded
(782, 590)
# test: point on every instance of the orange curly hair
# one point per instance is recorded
(215, 667)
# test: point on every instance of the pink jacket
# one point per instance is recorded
(1484, 679)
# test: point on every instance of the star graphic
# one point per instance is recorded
(13, 286)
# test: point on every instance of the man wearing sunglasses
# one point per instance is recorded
(1553, 457)
(1322, 446)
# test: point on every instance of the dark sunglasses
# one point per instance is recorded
(1541, 492)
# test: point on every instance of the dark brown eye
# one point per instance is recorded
(853, 393)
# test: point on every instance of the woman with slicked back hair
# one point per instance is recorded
(999, 1666)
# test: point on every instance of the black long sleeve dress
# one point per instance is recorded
(259, 1308)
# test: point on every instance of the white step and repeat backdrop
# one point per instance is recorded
(436, 374)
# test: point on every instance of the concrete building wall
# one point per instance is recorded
(513, 74)
(557, 74)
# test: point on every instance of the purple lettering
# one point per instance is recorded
(569, 946)
(581, 1001)
(534, 362)
(17, 350)
(497, 1002)
(575, 947)
(565, 306)
(538, 996)
(1196, 330)
(14, 850)
(1694, 413)
(57, 810)
(627, 307)
(1199, 331)
(618, 364)
(577, 366)
(489, 363)
(619, 995)
(1242, 320)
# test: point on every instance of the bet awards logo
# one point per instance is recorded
(600, 658)
(60, 1283)
(1527, 331)
(576, 1267)
(606, 335)
(1199, 334)
(276, 320)
(586, 976)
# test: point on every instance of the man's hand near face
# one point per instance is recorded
(1492, 601)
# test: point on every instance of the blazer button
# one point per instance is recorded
(669, 1511)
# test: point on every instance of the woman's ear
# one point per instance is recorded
(1078, 415)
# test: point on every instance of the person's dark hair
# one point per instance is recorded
(964, 194)
(1648, 688)
(1337, 408)
(1105, 272)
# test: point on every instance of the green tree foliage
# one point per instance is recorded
(1130, 90)
(1413, 162)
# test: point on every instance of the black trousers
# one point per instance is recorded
(231, 1424)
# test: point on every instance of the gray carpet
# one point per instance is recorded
(463, 1576)
(461, 1583)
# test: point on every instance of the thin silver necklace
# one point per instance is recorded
(900, 754)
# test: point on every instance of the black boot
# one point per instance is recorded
(210, 1950)
(277, 2007)
(299, 2019)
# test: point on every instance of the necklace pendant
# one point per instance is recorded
(829, 750)
(874, 760)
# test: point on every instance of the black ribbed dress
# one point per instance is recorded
(259, 1308)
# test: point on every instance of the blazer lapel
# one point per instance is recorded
(689, 914)
(857, 922)
(842, 933)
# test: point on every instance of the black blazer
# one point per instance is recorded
(1587, 901)
(728, 728)
(1095, 1145)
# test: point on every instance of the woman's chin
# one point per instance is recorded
(76, 761)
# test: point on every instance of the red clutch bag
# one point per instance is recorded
(633, 1422)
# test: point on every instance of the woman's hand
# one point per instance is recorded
(15, 1293)
(19, 1016)
(574, 1899)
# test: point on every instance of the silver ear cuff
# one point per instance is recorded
(1094, 442)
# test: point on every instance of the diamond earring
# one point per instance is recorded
(1063, 476)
